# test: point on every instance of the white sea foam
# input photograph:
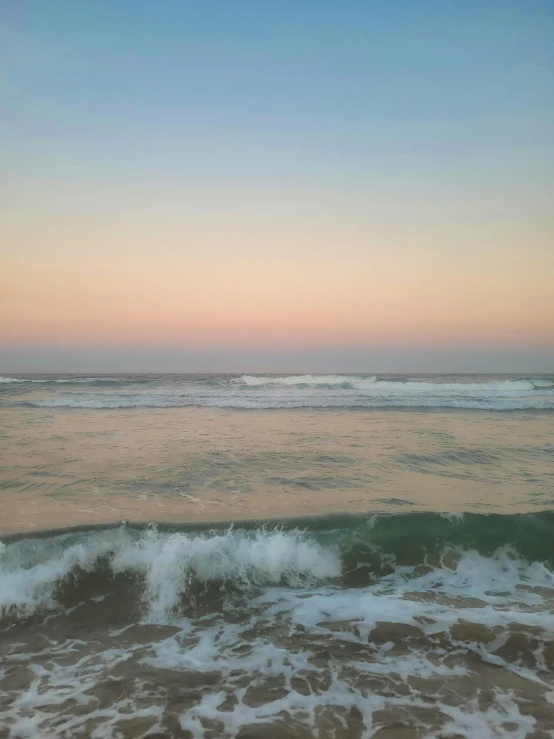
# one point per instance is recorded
(216, 651)
(169, 562)
(312, 391)
(42, 709)
(399, 599)
(277, 642)
(501, 585)
(340, 697)
(30, 572)
(274, 401)
(398, 387)
(254, 381)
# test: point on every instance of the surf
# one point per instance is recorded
(339, 625)
(170, 563)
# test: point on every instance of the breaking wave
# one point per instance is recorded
(306, 380)
(325, 391)
(362, 382)
(170, 564)
(442, 623)
(173, 563)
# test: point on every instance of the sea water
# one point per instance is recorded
(264, 556)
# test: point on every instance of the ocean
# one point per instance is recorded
(277, 557)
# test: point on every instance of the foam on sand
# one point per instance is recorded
(256, 632)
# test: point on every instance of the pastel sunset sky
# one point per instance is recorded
(280, 185)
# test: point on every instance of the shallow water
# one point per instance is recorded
(420, 605)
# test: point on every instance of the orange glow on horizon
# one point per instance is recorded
(263, 302)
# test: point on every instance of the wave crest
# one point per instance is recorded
(287, 391)
(171, 565)
(32, 572)
(313, 380)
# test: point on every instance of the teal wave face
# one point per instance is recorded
(528, 533)
(344, 550)
(381, 543)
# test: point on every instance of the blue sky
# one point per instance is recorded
(415, 132)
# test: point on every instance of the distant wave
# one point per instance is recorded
(312, 391)
(253, 381)
(362, 382)
(63, 381)
(542, 383)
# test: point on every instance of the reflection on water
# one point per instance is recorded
(67, 466)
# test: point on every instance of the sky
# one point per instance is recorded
(277, 186)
